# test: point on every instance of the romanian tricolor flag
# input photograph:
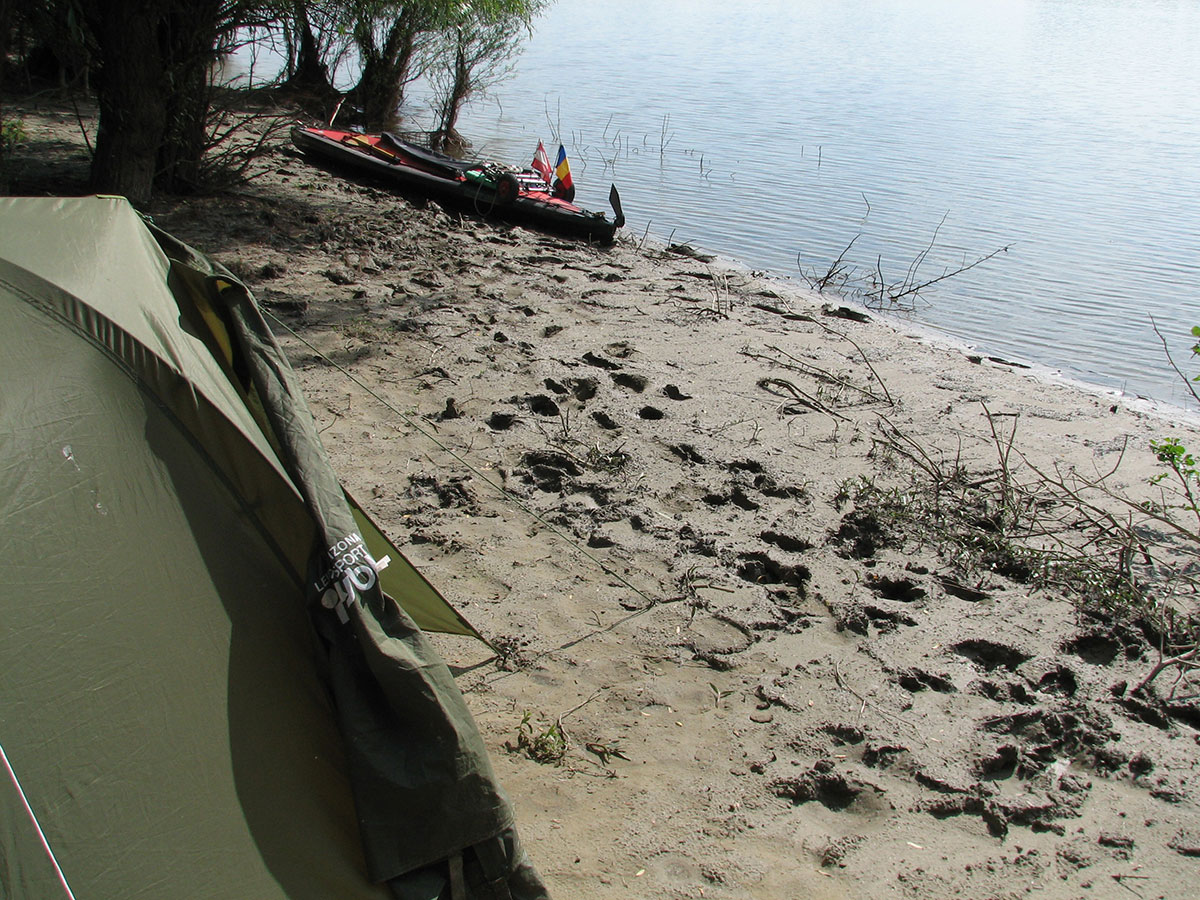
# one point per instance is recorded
(541, 164)
(562, 170)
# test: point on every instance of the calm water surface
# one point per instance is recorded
(775, 132)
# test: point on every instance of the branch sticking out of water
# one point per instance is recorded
(836, 275)
(903, 294)
(665, 138)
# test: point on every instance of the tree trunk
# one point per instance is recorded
(459, 91)
(310, 74)
(7, 10)
(446, 138)
(380, 88)
(131, 91)
(152, 92)
(191, 39)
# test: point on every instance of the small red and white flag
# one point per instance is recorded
(541, 164)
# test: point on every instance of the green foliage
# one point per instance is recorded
(1182, 472)
(1176, 457)
(1034, 529)
(470, 57)
(397, 42)
(546, 746)
(12, 133)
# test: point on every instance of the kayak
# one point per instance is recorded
(484, 188)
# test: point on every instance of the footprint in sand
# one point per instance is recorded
(635, 383)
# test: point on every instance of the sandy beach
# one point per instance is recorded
(655, 481)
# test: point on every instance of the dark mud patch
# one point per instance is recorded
(1044, 735)
(635, 383)
(752, 466)
(542, 405)
(769, 487)
(1145, 711)
(836, 792)
(956, 588)
(882, 756)
(990, 655)
(902, 590)
(843, 734)
(760, 568)
(1096, 648)
(859, 617)
(1038, 813)
(785, 542)
(1000, 764)
(555, 460)
(887, 619)
(600, 362)
(1186, 842)
(1186, 713)
(860, 536)
(687, 453)
(501, 421)
(914, 680)
(1059, 681)
(550, 471)
(583, 389)
(741, 500)
(444, 493)
(1003, 691)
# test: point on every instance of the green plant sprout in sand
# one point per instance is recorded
(718, 695)
(546, 746)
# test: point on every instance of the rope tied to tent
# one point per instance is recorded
(469, 466)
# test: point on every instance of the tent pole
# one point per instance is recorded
(37, 825)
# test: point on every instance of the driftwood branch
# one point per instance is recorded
(807, 368)
(911, 290)
(782, 387)
(1184, 661)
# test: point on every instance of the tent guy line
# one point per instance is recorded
(505, 495)
(185, 704)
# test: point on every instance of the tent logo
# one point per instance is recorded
(353, 570)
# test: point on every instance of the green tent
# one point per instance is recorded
(214, 683)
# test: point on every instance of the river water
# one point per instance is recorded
(777, 132)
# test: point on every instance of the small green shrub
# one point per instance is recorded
(12, 134)
(546, 746)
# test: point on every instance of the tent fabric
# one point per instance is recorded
(207, 692)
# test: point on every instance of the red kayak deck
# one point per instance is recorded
(485, 188)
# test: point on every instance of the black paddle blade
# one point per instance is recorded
(614, 200)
